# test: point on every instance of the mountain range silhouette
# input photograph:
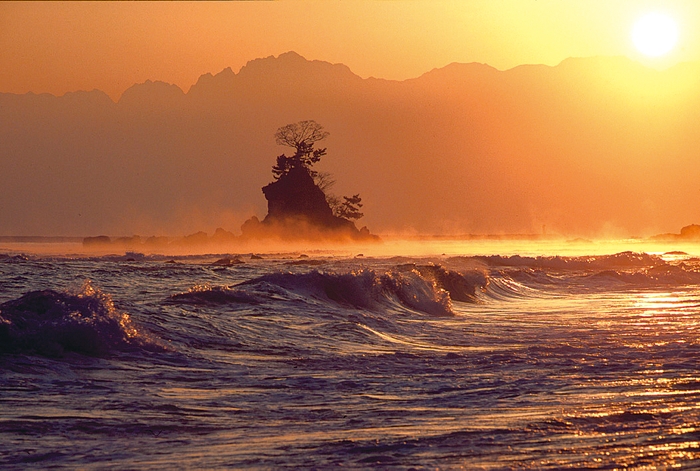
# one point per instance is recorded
(590, 145)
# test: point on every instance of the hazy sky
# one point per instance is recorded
(57, 47)
(594, 146)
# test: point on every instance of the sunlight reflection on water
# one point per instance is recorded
(549, 368)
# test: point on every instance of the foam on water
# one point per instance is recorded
(367, 288)
(476, 362)
(52, 323)
(206, 294)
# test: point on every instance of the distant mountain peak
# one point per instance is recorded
(291, 62)
(291, 55)
(289, 67)
(458, 69)
(85, 96)
(151, 92)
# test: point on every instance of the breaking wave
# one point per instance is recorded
(460, 286)
(428, 289)
(52, 323)
(515, 276)
(206, 294)
(665, 274)
(433, 288)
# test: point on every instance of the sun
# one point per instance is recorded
(655, 34)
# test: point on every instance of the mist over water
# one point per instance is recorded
(461, 149)
(481, 355)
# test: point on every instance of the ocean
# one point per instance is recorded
(490, 357)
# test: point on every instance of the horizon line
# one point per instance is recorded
(371, 77)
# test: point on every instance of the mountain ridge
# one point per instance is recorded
(257, 65)
(581, 147)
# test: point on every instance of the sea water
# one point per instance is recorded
(327, 360)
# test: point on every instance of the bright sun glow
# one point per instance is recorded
(655, 34)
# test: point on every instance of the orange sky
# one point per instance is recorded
(57, 47)
(599, 145)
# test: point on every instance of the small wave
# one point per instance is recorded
(612, 421)
(503, 287)
(366, 288)
(51, 323)
(205, 294)
(600, 262)
(587, 272)
(14, 258)
(658, 274)
(308, 262)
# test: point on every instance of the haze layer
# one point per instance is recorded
(589, 146)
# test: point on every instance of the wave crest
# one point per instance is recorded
(460, 286)
(600, 262)
(206, 294)
(426, 289)
(51, 323)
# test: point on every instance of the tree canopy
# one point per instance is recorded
(301, 134)
(350, 208)
(301, 137)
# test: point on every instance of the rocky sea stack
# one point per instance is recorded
(297, 207)
(689, 233)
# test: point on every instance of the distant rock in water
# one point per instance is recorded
(228, 262)
(295, 195)
(689, 233)
(198, 239)
(297, 209)
(97, 240)
(297, 206)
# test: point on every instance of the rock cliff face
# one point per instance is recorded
(295, 195)
(297, 209)
(689, 233)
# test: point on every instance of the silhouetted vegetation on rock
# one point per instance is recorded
(297, 206)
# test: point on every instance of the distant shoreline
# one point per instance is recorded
(390, 236)
(41, 239)
(392, 246)
(117, 240)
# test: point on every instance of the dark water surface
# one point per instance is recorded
(450, 362)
